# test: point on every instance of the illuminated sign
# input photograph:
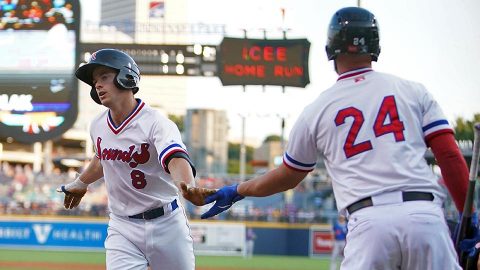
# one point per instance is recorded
(38, 91)
(263, 62)
(164, 59)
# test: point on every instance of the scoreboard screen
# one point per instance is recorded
(281, 62)
(38, 89)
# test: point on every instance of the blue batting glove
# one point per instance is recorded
(223, 198)
(473, 225)
(468, 245)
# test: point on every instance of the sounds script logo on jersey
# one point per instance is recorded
(128, 156)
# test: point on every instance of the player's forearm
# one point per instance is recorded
(277, 180)
(180, 170)
(93, 172)
(453, 167)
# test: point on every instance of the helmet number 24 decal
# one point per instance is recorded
(358, 41)
(388, 108)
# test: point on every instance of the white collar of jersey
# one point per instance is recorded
(127, 120)
(354, 72)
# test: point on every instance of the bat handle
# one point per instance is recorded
(475, 153)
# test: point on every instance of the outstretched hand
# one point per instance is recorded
(74, 193)
(224, 198)
(196, 195)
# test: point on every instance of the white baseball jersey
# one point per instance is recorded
(371, 129)
(133, 157)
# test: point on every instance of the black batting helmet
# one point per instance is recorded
(353, 30)
(128, 75)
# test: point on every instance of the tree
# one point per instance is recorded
(234, 158)
(272, 138)
(178, 120)
(464, 128)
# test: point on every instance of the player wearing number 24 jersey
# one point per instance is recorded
(373, 130)
(361, 125)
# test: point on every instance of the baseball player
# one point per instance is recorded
(144, 162)
(339, 230)
(373, 130)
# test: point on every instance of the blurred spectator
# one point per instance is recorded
(339, 230)
(250, 242)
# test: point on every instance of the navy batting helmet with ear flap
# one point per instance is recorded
(353, 30)
(128, 75)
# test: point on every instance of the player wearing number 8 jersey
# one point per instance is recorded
(373, 130)
(142, 158)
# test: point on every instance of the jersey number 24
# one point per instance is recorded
(388, 108)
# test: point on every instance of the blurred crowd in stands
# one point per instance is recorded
(41, 14)
(24, 192)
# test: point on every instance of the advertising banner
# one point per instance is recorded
(321, 240)
(52, 234)
(218, 238)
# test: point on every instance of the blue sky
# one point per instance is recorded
(435, 42)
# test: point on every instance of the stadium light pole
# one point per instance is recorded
(37, 162)
(243, 151)
(47, 157)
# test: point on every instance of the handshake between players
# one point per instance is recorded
(224, 197)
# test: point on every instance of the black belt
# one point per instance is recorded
(154, 213)
(406, 196)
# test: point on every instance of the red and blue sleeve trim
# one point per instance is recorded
(297, 165)
(435, 128)
(167, 152)
(434, 124)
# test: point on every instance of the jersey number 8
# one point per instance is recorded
(138, 179)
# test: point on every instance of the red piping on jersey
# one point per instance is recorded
(353, 73)
(296, 169)
(124, 124)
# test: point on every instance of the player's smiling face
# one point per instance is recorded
(103, 80)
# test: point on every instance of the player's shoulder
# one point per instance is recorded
(153, 114)
(99, 118)
(147, 110)
(396, 79)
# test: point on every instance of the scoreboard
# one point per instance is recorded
(164, 59)
(38, 92)
(281, 62)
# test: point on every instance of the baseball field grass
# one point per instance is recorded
(76, 260)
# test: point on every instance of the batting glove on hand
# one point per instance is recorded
(468, 244)
(196, 195)
(223, 198)
(74, 193)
